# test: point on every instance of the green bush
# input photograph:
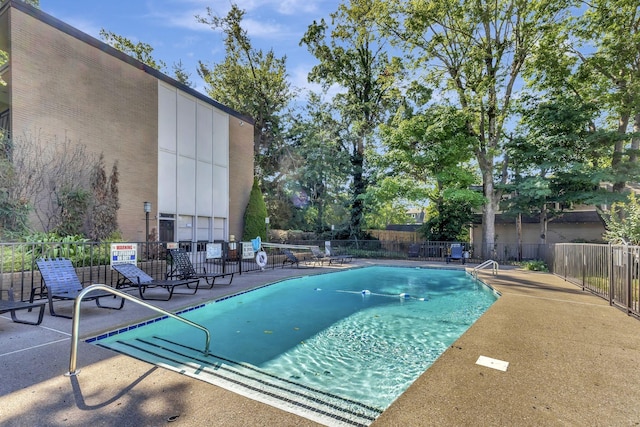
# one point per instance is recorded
(535, 265)
(254, 215)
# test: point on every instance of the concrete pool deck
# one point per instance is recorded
(573, 360)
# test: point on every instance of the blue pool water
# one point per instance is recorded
(363, 334)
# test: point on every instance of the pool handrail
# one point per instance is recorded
(73, 355)
(487, 263)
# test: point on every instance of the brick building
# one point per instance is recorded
(188, 155)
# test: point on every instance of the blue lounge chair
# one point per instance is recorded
(13, 306)
(134, 276)
(456, 253)
(61, 283)
(317, 256)
(337, 257)
(290, 258)
(183, 269)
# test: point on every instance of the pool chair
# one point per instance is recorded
(317, 256)
(337, 257)
(456, 253)
(134, 276)
(290, 258)
(414, 251)
(13, 306)
(182, 268)
(60, 282)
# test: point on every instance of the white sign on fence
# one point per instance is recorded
(124, 253)
(214, 250)
(247, 250)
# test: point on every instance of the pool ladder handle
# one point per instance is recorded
(487, 263)
(73, 355)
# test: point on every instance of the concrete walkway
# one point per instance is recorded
(573, 360)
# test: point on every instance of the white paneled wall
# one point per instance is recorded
(193, 164)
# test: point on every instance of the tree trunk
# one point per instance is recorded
(635, 140)
(618, 151)
(543, 224)
(359, 188)
(485, 161)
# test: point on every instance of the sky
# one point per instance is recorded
(170, 27)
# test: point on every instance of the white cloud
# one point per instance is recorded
(298, 79)
(296, 7)
(86, 26)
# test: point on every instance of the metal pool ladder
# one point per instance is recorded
(73, 355)
(488, 263)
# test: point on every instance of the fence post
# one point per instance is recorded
(611, 261)
(628, 275)
(584, 266)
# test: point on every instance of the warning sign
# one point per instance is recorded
(247, 250)
(124, 253)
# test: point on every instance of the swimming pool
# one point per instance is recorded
(337, 346)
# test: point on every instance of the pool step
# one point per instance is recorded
(249, 381)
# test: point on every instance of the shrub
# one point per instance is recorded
(535, 265)
(254, 215)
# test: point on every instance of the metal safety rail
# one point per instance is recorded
(488, 263)
(76, 321)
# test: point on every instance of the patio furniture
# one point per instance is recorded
(414, 250)
(134, 276)
(13, 306)
(456, 253)
(290, 258)
(62, 283)
(183, 269)
(337, 257)
(317, 256)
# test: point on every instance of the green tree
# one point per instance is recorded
(354, 57)
(181, 74)
(103, 216)
(623, 222)
(255, 215)
(429, 152)
(474, 52)
(557, 159)
(14, 208)
(140, 51)
(251, 82)
(596, 57)
(316, 162)
(74, 205)
(34, 3)
(452, 219)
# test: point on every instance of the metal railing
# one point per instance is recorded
(488, 263)
(609, 271)
(73, 354)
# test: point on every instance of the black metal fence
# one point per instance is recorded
(610, 271)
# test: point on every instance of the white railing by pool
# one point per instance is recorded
(73, 355)
(488, 263)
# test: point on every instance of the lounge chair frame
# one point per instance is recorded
(317, 256)
(290, 258)
(338, 258)
(457, 253)
(60, 282)
(12, 306)
(183, 269)
(132, 275)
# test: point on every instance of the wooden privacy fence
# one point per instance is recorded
(396, 236)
